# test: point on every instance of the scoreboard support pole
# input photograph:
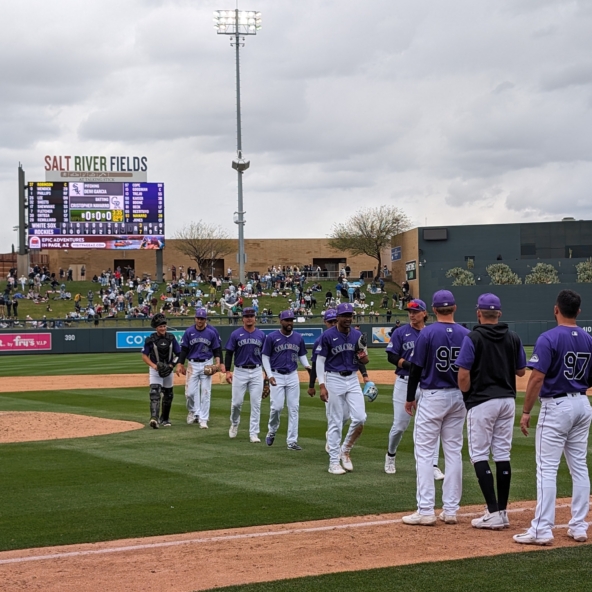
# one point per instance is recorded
(159, 266)
(22, 258)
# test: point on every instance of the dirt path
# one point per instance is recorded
(56, 383)
(203, 560)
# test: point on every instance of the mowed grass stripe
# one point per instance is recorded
(541, 571)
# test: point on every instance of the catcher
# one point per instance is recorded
(160, 352)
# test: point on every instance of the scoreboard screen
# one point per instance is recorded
(96, 215)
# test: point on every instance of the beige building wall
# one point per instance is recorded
(409, 243)
(261, 254)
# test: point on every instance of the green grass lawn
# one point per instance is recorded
(557, 569)
(184, 479)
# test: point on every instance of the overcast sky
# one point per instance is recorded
(461, 111)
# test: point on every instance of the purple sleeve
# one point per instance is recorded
(419, 351)
(176, 346)
(395, 344)
(146, 349)
(302, 350)
(231, 343)
(216, 343)
(322, 348)
(266, 350)
(466, 356)
(185, 338)
(520, 358)
(541, 356)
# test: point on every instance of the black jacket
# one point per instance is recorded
(493, 373)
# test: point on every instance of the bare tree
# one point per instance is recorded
(369, 231)
(204, 243)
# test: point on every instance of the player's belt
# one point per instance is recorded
(343, 373)
(196, 360)
(249, 367)
(560, 395)
(284, 372)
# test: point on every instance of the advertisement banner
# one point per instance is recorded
(310, 335)
(381, 334)
(135, 339)
(96, 241)
(25, 341)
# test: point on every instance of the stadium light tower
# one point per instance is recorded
(238, 23)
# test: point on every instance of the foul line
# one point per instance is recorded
(232, 537)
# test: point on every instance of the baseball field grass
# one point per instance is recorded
(548, 571)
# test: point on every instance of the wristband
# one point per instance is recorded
(525, 412)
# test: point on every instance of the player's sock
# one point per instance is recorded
(391, 455)
(503, 477)
(485, 478)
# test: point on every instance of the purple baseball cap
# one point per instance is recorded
(330, 314)
(416, 305)
(489, 302)
(201, 313)
(345, 308)
(249, 311)
(286, 315)
(443, 298)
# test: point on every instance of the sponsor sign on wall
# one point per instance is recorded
(309, 335)
(381, 334)
(135, 339)
(25, 341)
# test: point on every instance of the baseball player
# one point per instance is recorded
(440, 411)
(281, 351)
(245, 345)
(339, 351)
(490, 358)
(561, 374)
(399, 352)
(160, 352)
(200, 345)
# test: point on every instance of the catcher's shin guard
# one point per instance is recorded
(154, 400)
(167, 401)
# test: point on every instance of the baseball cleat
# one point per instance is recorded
(389, 464)
(196, 419)
(504, 515)
(203, 425)
(254, 439)
(346, 462)
(233, 431)
(528, 539)
(337, 470)
(438, 474)
(448, 518)
(493, 521)
(269, 439)
(420, 519)
(154, 423)
(165, 423)
(294, 446)
(190, 417)
(582, 537)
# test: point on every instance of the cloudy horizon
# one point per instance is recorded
(459, 112)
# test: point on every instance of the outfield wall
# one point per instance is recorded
(97, 340)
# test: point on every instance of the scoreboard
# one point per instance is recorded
(96, 215)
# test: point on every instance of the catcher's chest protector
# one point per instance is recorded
(163, 348)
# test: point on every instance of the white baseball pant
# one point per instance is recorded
(490, 427)
(287, 390)
(401, 418)
(440, 413)
(198, 389)
(166, 382)
(562, 428)
(244, 379)
(345, 394)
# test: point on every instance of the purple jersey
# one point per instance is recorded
(401, 345)
(284, 350)
(246, 346)
(339, 349)
(466, 357)
(313, 357)
(436, 350)
(563, 356)
(200, 345)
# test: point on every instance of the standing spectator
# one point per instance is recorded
(15, 305)
(69, 274)
(560, 377)
(82, 273)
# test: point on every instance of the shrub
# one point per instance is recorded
(461, 276)
(584, 270)
(502, 275)
(542, 273)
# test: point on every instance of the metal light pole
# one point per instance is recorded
(238, 23)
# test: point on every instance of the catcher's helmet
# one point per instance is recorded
(157, 320)
(370, 391)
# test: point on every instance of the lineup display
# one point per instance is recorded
(96, 215)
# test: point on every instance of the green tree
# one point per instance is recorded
(204, 243)
(584, 270)
(502, 275)
(462, 277)
(369, 231)
(542, 273)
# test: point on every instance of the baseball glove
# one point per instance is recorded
(370, 391)
(211, 369)
(362, 346)
(266, 388)
(163, 369)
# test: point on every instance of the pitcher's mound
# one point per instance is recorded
(30, 426)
